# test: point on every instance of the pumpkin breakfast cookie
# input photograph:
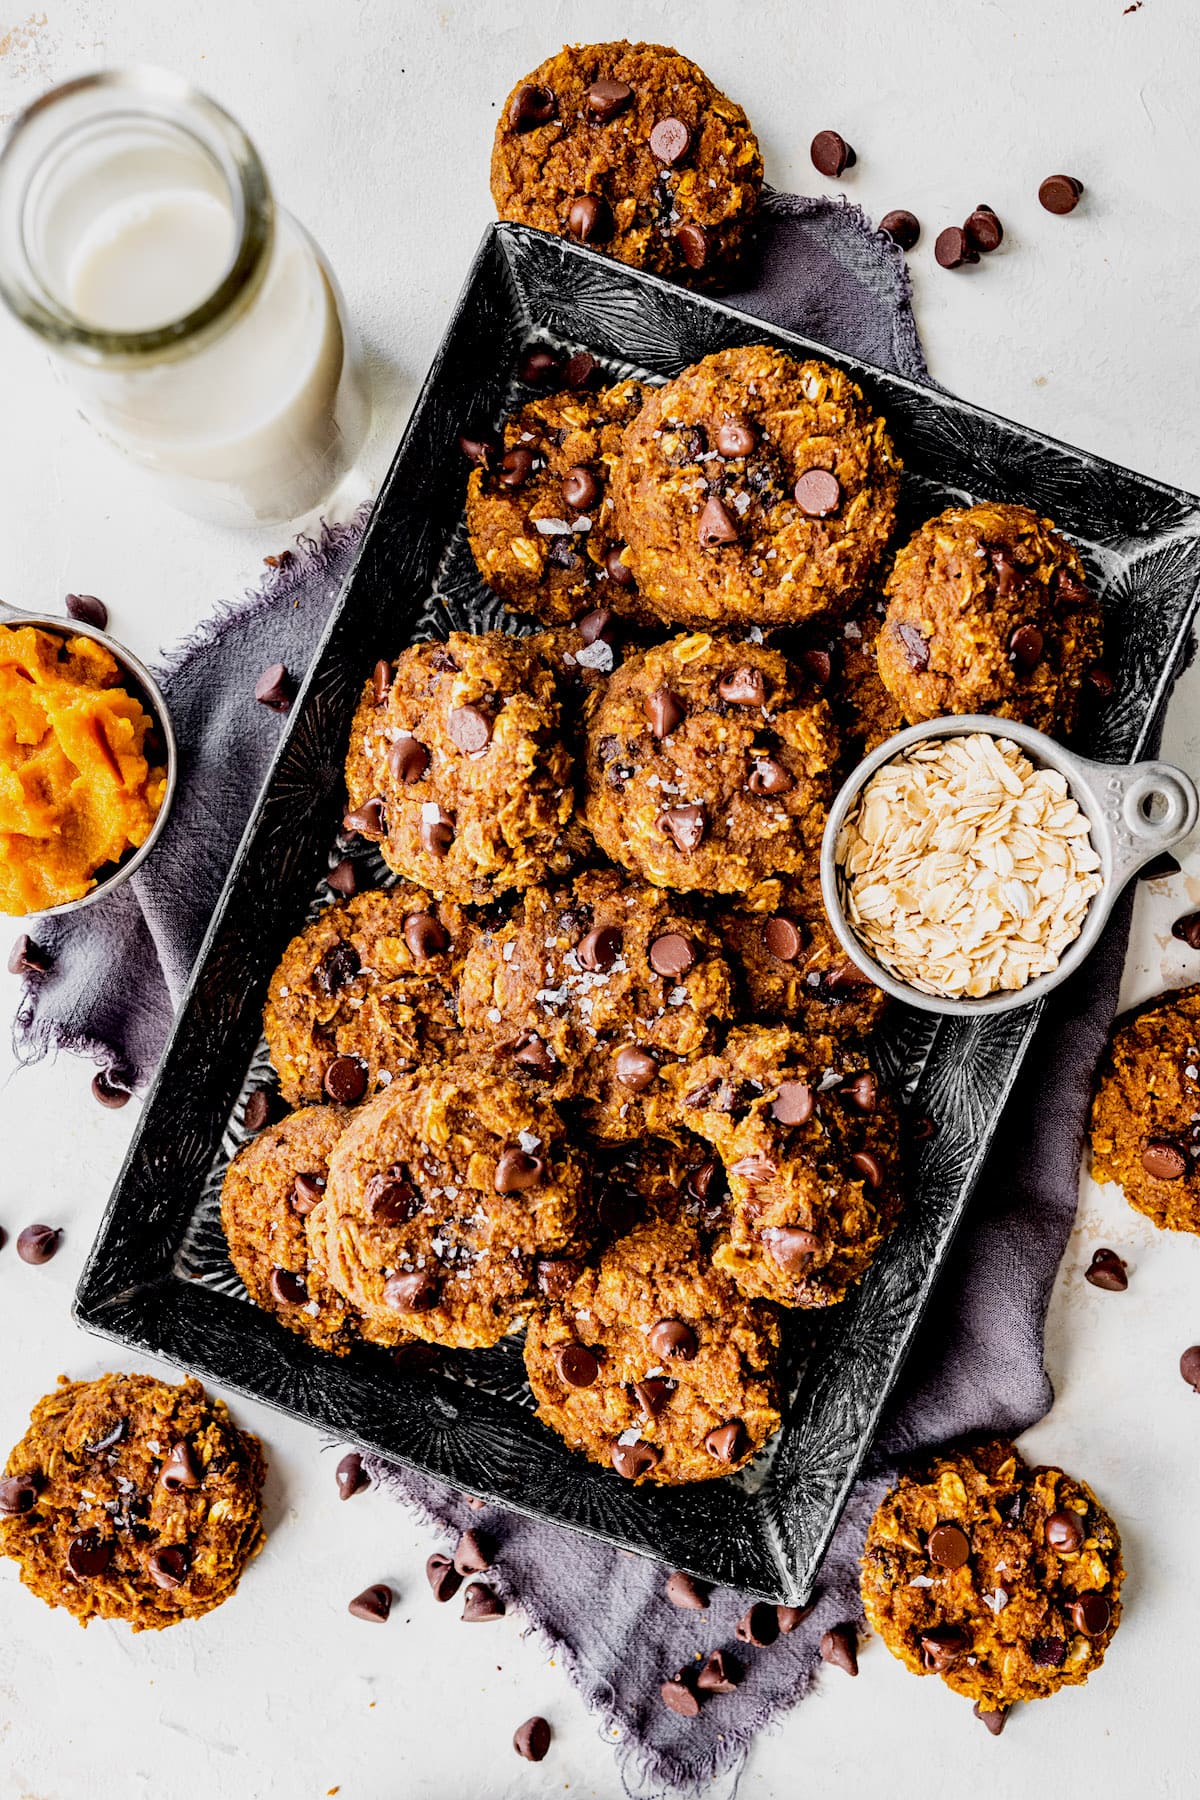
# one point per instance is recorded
(1145, 1124)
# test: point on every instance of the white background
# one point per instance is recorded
(375, 119)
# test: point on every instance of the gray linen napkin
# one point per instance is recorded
(119, 969)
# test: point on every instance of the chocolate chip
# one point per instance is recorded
(794, 1103)
(617, 569)
(869, 1167)
(579, 369)
(417, 1291)
(532, 1053)
(673, 1341)
(517, 1171)
(539, 366)
(921, 1128)
(338, 968)
(577, 1365)
(1049, 1652)
(903, 227)
(1107, 1270)
(580, 488)
(38, 1243)
(260, 1104)
(516, 466)
(597, 626)
(685, 825)
(346, 1080)
(635, 1069)
(351, 1477)
(984, 230)
(728, 1443)
(862, 1091)
(758, 1626)
(1025, 646)
(665, 711)
(589, 219)
(555, 1276)
(953, 248)
(382, 678)
(27, 958)
(599, 950)
(425, 936)
(443, 1578)
(480, 1603)
(671, 955)
(18, 1494)
(1189, 1367)
(343, 878)
(669, 140)
(818, 493)
(679, 1697)
(839, 1646)
(743, 687)
(914, 646)
(373, 1604)
(719, 1673)
(180, 1471)
(407, 760)
(111, 1437)
(1163, 1160)
(948, 1546)
(89, 1554)
(793, 1248)
(632, 1461)
(1091, 1614)
(943, 1648)
(782, 939)
(1159, 867)
(1064, 1532)
(532, 1739)
(606, 99)
(791, 1616)
(685, 1592)
(769, 777)
(831, 154)
(992, 1717)
(717, 524)
(694, 245)
(111, 1088)
(470, 728)
(1060, 193)
(531, 106)
(288, 1288)
(819, 664)
(1186, 928)
(88, 609)
(390, 1199)
(474, 1552)
(366, 819)
(653, 1395)
(437, 835)
(275, 688)
(735, 437)
(479, 447)
(168, 1567)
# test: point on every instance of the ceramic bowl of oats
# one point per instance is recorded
(970, 864)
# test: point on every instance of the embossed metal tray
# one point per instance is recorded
(158, 1277)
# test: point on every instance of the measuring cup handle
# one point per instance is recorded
(1148, 808)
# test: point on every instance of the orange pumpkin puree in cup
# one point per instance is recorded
(76, 789)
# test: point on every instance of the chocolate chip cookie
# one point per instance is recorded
(790, 965)
(539, 513)
(369, 986)
(1001, 1578)
(131, 1499)
(756, 489)
(655, 1365)
(630, 149)
(445, 1193)
(808, 1135)
(458, 769)
(989, 612)
(1145, 1123)
(708, 766)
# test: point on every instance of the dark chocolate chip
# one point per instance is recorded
(791, 1616)
(539, 365)
(555, 1276)
(38, 1243)
(793, 1248)
(769, 777)
(516, 466)
(517, 1170)
(760, 1625)
(943, 1648)
(27, 958)
(914, 646)
(632, 1461)
(903, 227)
(275, 688)
(351, 1477)
(18, 1494)
(617, 569)
(735, 437)
(818, 493)
(88, 609)
(635, 1069)
(589, 219)
(862, 1091)
(607, 98)
(794, 1103)
(417, 1291)
(288, 1288)
(180, 1470)
(1060, 193)
(665, 711)
(839, 1646)
(112, 1436)
(580, 488)
(470, 728)
(673, 1341)
(531, 106)
(669, 140)
(532, 1053)
(598, 951)
(474, 1552)
(1163, 1160)
(679, 1696)
(366, 819)
(479, 447)
(169, 1566)
(1189, 1367)
(743, 687)
(373, 1604)
(717, 524)
(831, 154)
(1159, 867)
(1064, 1532)
(480, 1603)
(953, 249)
(442, 1576)
(1049, 1652)
(819, 664)
(719, 1673)
(671, 955)
(111, 1088)
(1091, 1614)
(1186, 928)
(407, 760)
(260, 1104)
(992, 1717)
(346, 1080)
(390, 1199)
(685, 825)
(88, 1554)
(685, 1592)
(437, 835)
(869, 1167)
(343, 878)
(1025, 646)
(339, 966)
(425, 936)
(921, 1128)
(576, 1365)
(728, 1443)
(782, 939)
(381, 681)
(1107, 1270)
(579, 369)
(532, 1739)
(653, 1395)
(598, 625)
(948, 1546)
(984, 230)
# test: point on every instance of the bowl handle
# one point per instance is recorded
(1147, 808)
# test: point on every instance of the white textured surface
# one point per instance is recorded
(375, 121)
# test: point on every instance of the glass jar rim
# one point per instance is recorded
(238, 163)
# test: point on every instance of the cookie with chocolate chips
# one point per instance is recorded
(989, 612)
(458, 768)
(539, 511)
(630, 149)
(790, 966)
(1002, 1579)
(445, 1194)
(1145, 1121)
(756, 489)
(709, 766)
(129, 1498)
(655, 1365)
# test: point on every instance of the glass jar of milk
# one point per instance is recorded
(198, 326)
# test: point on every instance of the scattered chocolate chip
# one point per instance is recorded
(717, 524)
(735, 437)
(671, 955)
(532, 1739)
(719, 1673)
(1064, 1532)
(943, 1648)
(631, 1461)
(382, 678)
(794, 1103)
(743, 687)
(366, 819)
(27, 958)
(480, 1603)
(407, 760)
(607, 98)
(818, 493)
(653, 1395)
(111, 1437)
(414, 1292)
(685, 1592)
(819, 664)
(577, 1365)
(679, 1697)
(1159, 867)
(373, 1604)
(539, 366)
(598, 625)
(425, 936)
(578, 369)
(635, 1069)
(555, 1276)
(1189, 1367)
(869, 1167)
(516, 466)
(479, 447)
(275, 688)
(862, 1091)
(760, 1625)
(180, 1470)
(88, 1554)
(1107, 1270)
(839, 1646)
(287, 1287)
(984, 230)
(782, 939)
(1025, 646)
(953, 249)
(1049, 1652)
(580, 488)
(350, 1475)
(792, 1248)
(531, 106)
(1186, 928)
(727, 1443)
(532, 1053)
(589, 219)
(617, 569)
(470, 728)
(685, 825)
(88, 609)
(598, 951)
(437, 835)
(390, 1199)
(338, 968)
(474, 1552)
(791, 1616)
(1060, 193)
(673, 1341)
(18, 1494)
(665, 711)
(343, 878)
(110, 1087)
(769, 777)
(948, 1546)
(903, 227)
(346, 1080)
(914, 646)
(831, 154)
(38, 1243)
(992, 1717)
(669, 140)
(1091, 1614)
(442, 1576)
(1100, 682)
(517, 1171)
(1163, 1160)
(258, 1109)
